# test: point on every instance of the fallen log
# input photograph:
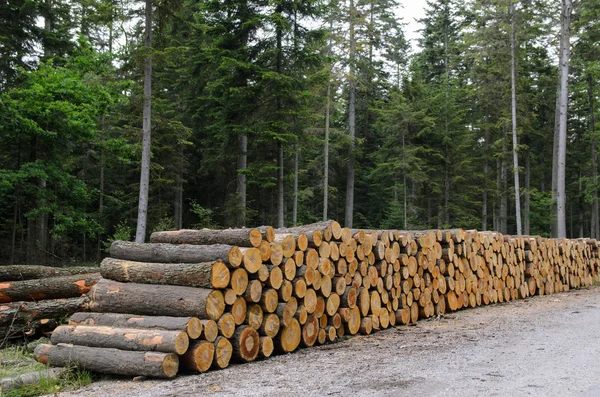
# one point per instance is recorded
(122, 338)
(223, 352)
(109, 361)
(30, 378)
(161, 300)
(199, 356)
(15, 316)
(205, 275)
(238, 237)
(48, 288)
(30, 272)
(171, 253)
(192, 325)
(246, 344)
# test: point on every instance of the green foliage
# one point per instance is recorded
(204, 216)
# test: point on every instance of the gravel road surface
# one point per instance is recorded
(542, 346)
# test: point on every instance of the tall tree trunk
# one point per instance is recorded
(178, 204)
(326, 154)
(101, 190)
(526, 209)
(349, 212)
(484, 207)
(595, 221)
(140, 235)
(565, 52)
(280, 187)
(241, 179)
(404, 184)
(513, 82)
(554, 231)
(295, 208)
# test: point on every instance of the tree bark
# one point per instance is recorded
(162, 300)
(295, 204)
(242, 166)
(349, 211)
(48, 288)
(169, 253)
(110, 361)
(513, 81)
(205, 274)
(199, 356)
(565, 52)
(133, 339)
(239, 237)
(29, 272)
(140, 235)
(595, 222)
(191, 325)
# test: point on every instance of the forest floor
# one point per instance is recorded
(540, 346)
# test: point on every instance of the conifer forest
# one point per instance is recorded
(119, 118)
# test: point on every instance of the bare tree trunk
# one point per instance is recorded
(404, 183)
(484, 207)
(140, 235)
(178, 204)
(595, 221)
(241, 179)
(326, 154)
(554, 231)
(351, 122)
(101, 190)
(526, 210)
(280, 189)
(513, 44)
(295, 208)
(565, 52)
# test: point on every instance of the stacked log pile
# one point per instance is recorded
(238, 295)
(33, 299)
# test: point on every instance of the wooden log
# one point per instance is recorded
(289, 337)
(25, 312)
(246, 344)
(251, 259)
(366, 326)
(348, 299)
(122, 338)
(205, 275)
(210, 330)
(310, 331)
(48, 288)
(226, 325)
(270, 325)
(192, 325)
(332, 304)
(30, 272)
(175, 253)
(315, 231)
(199, 356)
(253, 291)
(254, 316)
(239, 237)
(238, 310)
(288, 244)
(286, 290)
(351, 319)
(275, 277)
(223, 352)
(30, 378)
(266, 347)
(109, 361)
(163, 300)
(239, 281)
(286, 311)
(269, 300)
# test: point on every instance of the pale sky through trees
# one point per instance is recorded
(412, 9)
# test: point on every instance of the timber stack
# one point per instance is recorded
(200, 299)
(33, 298)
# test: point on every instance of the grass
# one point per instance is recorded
(72, 379)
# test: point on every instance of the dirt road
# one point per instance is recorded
(543, 346)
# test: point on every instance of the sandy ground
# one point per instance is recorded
(542, 346)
